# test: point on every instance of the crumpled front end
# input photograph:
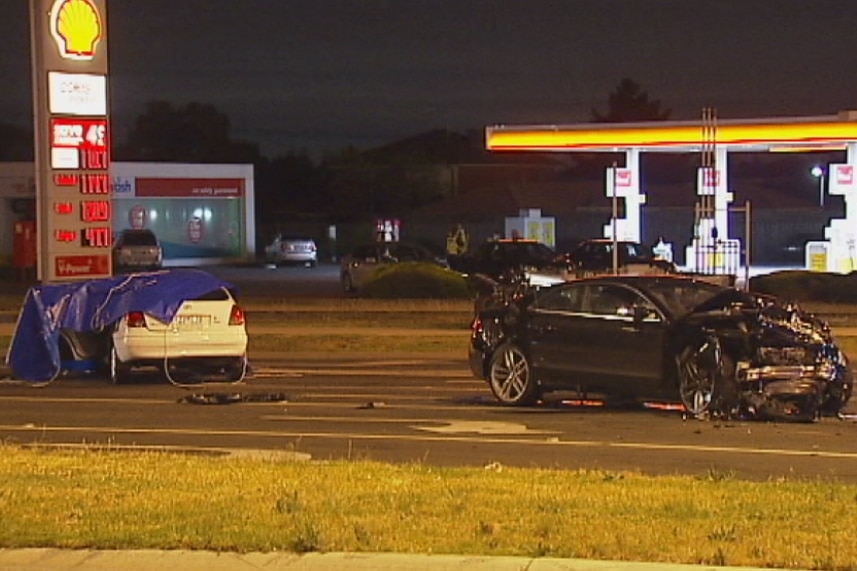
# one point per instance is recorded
(796, 370)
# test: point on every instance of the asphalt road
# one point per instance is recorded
(414, 411)
(288, 281)
(407, 410)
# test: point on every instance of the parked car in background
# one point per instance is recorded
(716, 350)
(594, 256)
(137, 249)
(361, 262)
(503, 259)
(292, 250)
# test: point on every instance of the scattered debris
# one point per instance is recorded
(374, 404)
(233, 398)
(494, 466)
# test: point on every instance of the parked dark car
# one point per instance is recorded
(594, 256)
(499, 259)
(717, 350)
(137, 249)
(360, 264)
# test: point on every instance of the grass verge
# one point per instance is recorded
(98, 498)
(359, 343)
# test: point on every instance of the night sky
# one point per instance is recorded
(317, 75)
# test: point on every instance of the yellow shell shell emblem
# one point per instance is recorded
(76, 27)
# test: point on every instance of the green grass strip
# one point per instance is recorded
(106, 499)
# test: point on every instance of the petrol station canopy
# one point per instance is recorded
(793, 134)
(712, 247)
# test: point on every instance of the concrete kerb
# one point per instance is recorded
(158, 560)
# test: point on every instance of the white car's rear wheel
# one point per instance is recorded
(119, 371)
(236, 371)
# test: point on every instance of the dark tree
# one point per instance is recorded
(381, 183)
(629, 104)
(290, 185)
(195, 133)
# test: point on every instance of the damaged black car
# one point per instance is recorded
(719, 351)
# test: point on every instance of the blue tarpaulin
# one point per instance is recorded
(94, 305)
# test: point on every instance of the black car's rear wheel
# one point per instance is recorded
(706, 377)
(510, 376)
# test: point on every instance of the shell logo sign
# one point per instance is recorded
(76, 27)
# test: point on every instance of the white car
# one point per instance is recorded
(184, 322)
(206, 340)
(207, 336)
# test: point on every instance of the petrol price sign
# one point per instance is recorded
(73, 138)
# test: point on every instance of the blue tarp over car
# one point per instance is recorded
(88, 306)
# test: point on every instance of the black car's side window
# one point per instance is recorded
(615, 301)
(568, 299)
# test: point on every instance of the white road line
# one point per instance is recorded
(551, 441)
(337, 372)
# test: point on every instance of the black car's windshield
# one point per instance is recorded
(682, 298)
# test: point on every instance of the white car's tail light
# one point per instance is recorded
(136, 319)
(236, 316)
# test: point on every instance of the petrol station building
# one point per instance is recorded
(712, 249)
(201, 213)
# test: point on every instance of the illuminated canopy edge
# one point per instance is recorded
(821, 133)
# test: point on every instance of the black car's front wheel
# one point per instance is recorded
(706, 378)
(510, 376)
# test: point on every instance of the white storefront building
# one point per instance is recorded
(201, 213)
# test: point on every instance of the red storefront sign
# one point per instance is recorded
(190, 187)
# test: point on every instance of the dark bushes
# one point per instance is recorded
(415, 280)
(802, 286)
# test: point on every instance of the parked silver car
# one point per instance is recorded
(137, 249)
(285, 249)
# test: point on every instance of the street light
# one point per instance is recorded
(818, 172)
